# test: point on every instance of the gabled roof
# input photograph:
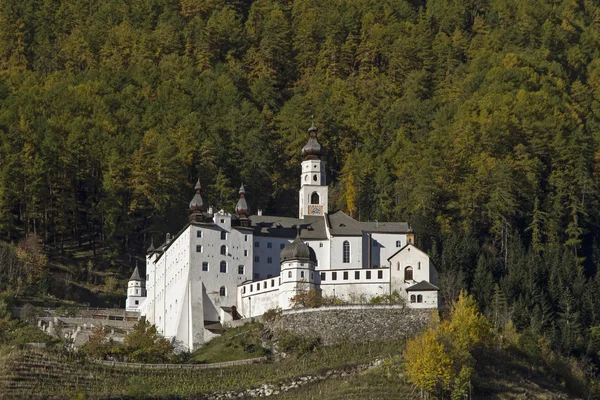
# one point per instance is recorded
(422, 286)
(267, 225)
(412, 246)
(341, 224)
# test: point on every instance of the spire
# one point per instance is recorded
(241, 208)
(197, 202)
(151, 249)
(313, 149)
(136, 274)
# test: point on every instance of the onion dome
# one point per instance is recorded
(298, 251)
(241, 208)
(151, 249)
(197, 203)
(313, 148)
(136, 274)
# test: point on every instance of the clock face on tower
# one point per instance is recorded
(314, 210)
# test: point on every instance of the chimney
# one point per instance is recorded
(168, 239)
(259, 212)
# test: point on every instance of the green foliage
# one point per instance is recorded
(144, 345)
(477, 122)
(291, 343)
(393, 298)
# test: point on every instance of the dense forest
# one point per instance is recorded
(477, 121)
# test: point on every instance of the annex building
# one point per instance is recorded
(223, 266)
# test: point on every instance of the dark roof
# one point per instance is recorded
(151, 249)
(197, 203)
(422, 287)
(136, 275)
(312, 148)
(312, 228)
(341, 224)
(241, 208)
(298, 250)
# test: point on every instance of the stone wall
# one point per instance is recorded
(353, 324)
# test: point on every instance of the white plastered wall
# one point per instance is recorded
(337, 251)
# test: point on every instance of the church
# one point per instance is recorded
(223, 266)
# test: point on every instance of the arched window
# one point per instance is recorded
(314, 198)
(346, 251)
(412, 298)
(223, 266)
(408, 274)
(222, 291)
(224, 250)
(398, 243)
(419, 298)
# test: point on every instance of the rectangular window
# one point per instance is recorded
(256, 259)
(199, 234)
(321, 244)
(334, 276)
(245, 253)
(301, 274)
(223, 268)
(244, 290)
(251, 288)
(368, 274)
(270, 260)
(264, 284)
(356, 274)
(241, 269)
(256, 244)
(205, 266)
(269, 245)
(282, 245)
(223, 235)
(322, 276)
(345, 275)
(198, 248)
(137, 302)
(289, 274)
(245, 238)
(379, 274)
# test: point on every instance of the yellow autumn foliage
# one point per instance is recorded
(440, 360)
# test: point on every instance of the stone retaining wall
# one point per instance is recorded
(353, 324)
(223, 364)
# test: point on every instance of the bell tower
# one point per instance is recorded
(313, 184)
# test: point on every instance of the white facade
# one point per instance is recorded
(222, 266)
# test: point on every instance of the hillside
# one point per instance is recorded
(475, 121)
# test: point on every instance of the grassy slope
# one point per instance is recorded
(234, 344)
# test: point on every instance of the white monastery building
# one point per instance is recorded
(224, 266)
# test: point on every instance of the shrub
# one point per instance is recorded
(271, 315)
(292, 343)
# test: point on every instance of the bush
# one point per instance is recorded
(271, 315)
(292, 343)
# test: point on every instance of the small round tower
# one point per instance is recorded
(136, 291)
(297, 271)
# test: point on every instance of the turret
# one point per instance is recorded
(313, 183)
(297, 271)
(197, 204)
(241, 208)
(136, 291)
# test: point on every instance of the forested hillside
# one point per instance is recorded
(476, 121)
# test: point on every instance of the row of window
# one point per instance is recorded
(223, 250)
(222, 267)
(223, 235)
(346, 275)
(265, 285)
(416, 299)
